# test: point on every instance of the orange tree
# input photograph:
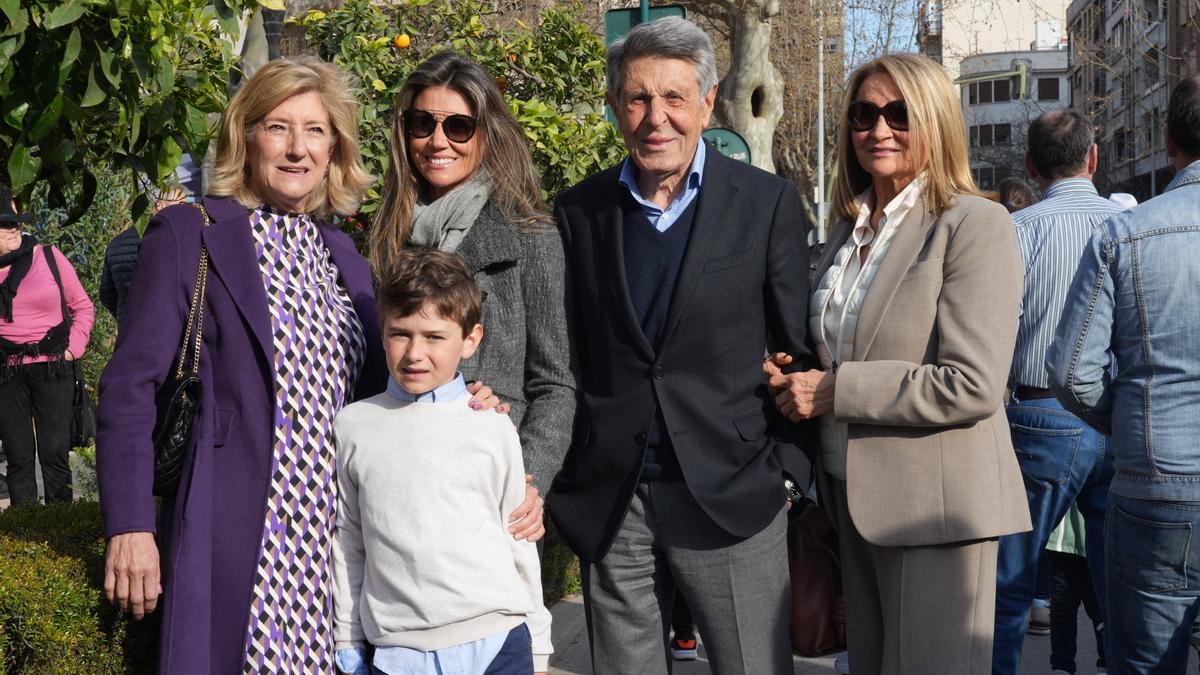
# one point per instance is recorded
(552, 75)
(119, 84)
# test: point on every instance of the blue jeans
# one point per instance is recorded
(1153, 584)
(1063, 461)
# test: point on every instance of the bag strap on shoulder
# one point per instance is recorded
(189, 351)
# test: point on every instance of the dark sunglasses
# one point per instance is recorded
(864, 115)
(422, 123)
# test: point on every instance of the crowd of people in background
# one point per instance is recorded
(992, 395)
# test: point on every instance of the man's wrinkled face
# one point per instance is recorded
(661, 113)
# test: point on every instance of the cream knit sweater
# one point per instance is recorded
(422, 557)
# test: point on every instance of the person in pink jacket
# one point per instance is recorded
(42, 329)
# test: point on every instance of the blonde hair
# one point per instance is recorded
(936, 133)
(515, 186)
(347, 180)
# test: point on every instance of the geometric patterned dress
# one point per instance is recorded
(319, 350)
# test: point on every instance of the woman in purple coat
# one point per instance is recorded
(240, 555)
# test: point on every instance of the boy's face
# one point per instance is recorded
(423, 349)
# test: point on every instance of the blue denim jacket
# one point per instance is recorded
(1126, 355)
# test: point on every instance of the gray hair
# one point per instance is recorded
(670, 37)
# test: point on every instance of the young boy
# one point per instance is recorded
(425, 570)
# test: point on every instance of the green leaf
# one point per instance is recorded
(22, 167)
(94, 94)
(108, 60)
(167, 158)
(272, 4)
(47, 119)
(74, 43)
(166, 76)
(65, 14)
(18, 17)
(16, 116)
(63, 151)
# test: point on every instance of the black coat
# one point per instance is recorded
(742, 288)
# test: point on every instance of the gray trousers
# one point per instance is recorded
(914, 610)
(738, 589)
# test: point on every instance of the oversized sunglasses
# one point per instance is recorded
(422, 123)
(864, 115)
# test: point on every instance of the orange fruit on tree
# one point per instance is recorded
(401, 41)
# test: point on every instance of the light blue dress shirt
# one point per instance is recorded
(661, 218)
(1052, 235)
(452, 390)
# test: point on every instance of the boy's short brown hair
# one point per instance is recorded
(420, 276)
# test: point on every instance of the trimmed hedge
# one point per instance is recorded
(53, 615)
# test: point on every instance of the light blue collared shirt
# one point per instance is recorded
(451, 391)
(660, 218)
(472, 658)
(1052, 235)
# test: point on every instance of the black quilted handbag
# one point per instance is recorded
(179, 398)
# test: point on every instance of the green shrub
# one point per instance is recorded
(53, 615)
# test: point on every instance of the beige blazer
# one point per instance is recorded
(929, 459)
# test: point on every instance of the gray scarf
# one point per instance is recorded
(443, 223)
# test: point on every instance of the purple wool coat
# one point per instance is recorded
(209, 533)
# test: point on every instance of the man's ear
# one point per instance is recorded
(471, 341)
(1029, 167)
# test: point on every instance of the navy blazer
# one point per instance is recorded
(209, 533)
(742, 288)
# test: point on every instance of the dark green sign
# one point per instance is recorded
(618, 22)
(729, 143)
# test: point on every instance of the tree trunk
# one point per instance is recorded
(750, 97)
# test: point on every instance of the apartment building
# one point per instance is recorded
(951, 30)
(1125, 55)
(1002, 92)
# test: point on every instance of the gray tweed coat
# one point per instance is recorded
(525, 356)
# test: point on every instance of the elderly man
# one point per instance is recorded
(1062, 459)
(1126, 358)
(685, 268)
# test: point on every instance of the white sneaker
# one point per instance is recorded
(841, 663)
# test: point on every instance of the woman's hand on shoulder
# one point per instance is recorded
(483, 398)
(798, 396)
(526, 521)
(131, 573)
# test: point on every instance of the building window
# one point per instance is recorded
(990, 91)
(1001, 90)
(1047, 88)
(1150, 66)
(984, 135)
(988, 177)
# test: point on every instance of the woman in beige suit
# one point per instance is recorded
(914, 314)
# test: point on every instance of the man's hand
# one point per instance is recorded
(798, 396)
(131, 573)
(483, 398)
(526, 521)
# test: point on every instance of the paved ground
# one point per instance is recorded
(571, 649)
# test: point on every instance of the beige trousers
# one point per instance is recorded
(915, 610)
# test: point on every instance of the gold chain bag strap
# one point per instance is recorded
(179, 398)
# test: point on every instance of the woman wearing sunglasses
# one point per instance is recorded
(914, 314)
(290, 335)
(461, 179)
